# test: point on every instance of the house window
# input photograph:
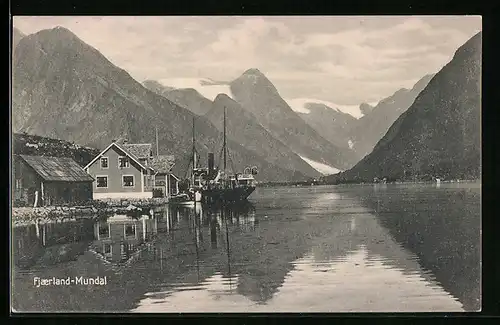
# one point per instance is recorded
(123, 162)
(129, 230)
(101, 181)
(103, 230)
(18, 184)
(107, 249)
(128, 180)
(104, 162)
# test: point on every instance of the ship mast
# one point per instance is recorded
(224, 145)
(156, 131)
(194, 153)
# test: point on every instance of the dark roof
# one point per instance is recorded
(139, 150)
(57, 169)
(162, 164)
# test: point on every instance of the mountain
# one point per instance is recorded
(360, 135)
(370, 128)
(440, 134)
(301, 105)
(205, 87)
(156, 87)
(17, 35)
(331, 124)
(65, 89)
(254, 92)
(365, 108)
(191, 99)
(246, 130)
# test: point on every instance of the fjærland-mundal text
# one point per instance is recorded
(77, 280)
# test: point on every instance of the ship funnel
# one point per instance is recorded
(210, 162)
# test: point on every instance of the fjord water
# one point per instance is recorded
(380, 248)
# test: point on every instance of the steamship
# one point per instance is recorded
(213, 184)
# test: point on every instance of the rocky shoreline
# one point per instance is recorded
(22, 216)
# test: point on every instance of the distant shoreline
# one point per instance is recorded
(316, 183)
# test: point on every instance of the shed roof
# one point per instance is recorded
(57, 169)
(139, 150)
(162, 164)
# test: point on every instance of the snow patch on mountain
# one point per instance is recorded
(206, 87)
(299, 105)
(320, 167)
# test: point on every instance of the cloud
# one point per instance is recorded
(375, 52)
(144, 46)
(253, 42)
(346, 60)
(336, 62)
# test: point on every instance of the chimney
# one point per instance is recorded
(210, 162)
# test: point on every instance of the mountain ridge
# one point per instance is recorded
(331, 124)
(439, 135)
(371, 127)
(188, 98)
(256, 93)
(66, 89)
(17, 35)
(245, 129)
(189, 101)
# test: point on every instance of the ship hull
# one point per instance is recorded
(227, 195)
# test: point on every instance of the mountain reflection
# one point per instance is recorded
(321, 249)
(441, 226)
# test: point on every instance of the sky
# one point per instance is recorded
(346, 60)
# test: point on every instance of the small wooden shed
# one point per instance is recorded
(42, 181)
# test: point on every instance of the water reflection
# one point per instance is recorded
(327, 249)
(41, 245)
(441, 225)
(352, 256)
(120, 238)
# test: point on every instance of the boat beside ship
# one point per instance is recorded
(183, 199)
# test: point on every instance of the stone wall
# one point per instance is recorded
(135, 202)
(27, 215)
(21, 216)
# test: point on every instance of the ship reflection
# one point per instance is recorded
(241, 216)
